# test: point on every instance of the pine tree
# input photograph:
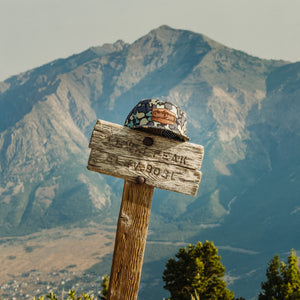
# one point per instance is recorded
(291, 277)
(196, 269)
(272, 286)
(283, 281)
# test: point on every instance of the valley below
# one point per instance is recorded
(53, 260)
(58, 219)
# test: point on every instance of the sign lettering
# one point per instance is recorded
(142, 150)
(167, 164)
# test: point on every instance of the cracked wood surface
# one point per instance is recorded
(130, 241)
(156, 162)
(166, 164)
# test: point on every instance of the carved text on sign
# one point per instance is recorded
(166, 164)
(148, 168)
(142, 150)
(143, 167)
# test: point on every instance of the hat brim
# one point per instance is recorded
(170, 134)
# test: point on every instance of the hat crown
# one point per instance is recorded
(159, 117)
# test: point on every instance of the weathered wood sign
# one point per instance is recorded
(145, 161)
(163, 163)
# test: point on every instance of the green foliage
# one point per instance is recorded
(52, 296)
(71, 296)
(272, 286)
(104, 285)
(195, 296)
(196, 270)
(283, 281)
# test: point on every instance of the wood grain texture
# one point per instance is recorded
(166, 164)
(157, 162)
(130, 241)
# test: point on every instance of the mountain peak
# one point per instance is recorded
(119, 45)
(251, 165)
(166, 32)
(163, 28)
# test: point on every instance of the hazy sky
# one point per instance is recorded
(34, 32)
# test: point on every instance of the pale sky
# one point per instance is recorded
(34, 32)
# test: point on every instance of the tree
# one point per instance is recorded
(283, 281)
(291, 277)
(196, 270)
(272, 286)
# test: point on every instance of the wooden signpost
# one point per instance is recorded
(145, 161)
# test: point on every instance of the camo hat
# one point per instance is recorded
(159, 117)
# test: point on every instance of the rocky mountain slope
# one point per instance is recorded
(242, 109)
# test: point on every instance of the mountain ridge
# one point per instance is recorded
(241, 108)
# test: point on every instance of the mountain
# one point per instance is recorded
(242, 109)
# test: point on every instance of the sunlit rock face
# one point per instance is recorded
(244, 110)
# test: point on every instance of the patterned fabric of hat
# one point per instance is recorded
(158, 117)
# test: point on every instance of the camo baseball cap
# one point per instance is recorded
(158, 117)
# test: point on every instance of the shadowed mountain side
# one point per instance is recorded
(242, 109)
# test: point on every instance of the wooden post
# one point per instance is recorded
(130, 241)
(145, 161)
